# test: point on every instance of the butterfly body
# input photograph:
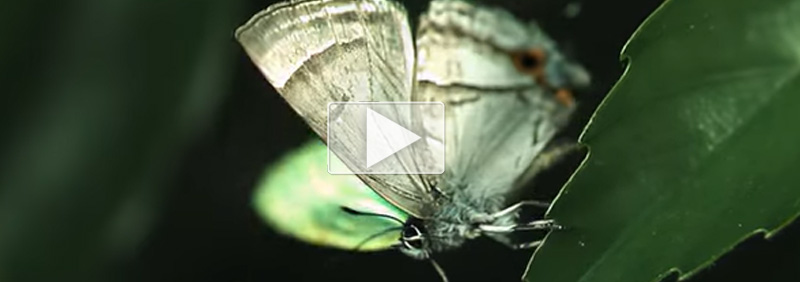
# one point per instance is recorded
(457, 221)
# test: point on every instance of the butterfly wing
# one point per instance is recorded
(499, 116)
(322, 51)
(296, 196)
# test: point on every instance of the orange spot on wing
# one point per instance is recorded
(531, 62)
(565, 97)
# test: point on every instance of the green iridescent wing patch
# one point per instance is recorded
(297, 197)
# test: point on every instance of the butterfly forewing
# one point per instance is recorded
(317, 52)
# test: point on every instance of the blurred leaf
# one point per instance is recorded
(695, 148)
(101, 99)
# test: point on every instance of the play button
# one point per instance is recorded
(385, 137)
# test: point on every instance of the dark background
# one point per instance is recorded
(173, 125)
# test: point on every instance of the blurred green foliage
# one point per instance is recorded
(99, 99)
(694, 150)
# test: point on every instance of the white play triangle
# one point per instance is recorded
(385, 137)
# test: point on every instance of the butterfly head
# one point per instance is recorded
(413, 240)
(413, 243)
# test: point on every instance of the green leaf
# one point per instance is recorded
(695, 149)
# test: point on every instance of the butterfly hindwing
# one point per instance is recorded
(296, 196)
(498, 117)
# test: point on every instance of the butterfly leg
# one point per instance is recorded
(541, 224)
(440, 192)
(500, 233)
(433, 182)
(517, 206)
(503, 239)
(529, 245)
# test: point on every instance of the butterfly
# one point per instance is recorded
(506, 90)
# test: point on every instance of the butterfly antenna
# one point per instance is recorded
(355, 212)
(374, 236)
(439, 269)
